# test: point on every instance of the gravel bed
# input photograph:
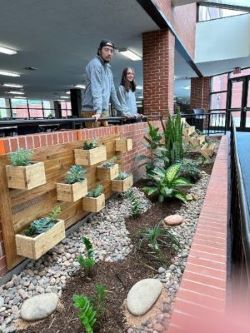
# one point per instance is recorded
(110, 238)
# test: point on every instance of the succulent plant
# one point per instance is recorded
(75, 174)
(96, 192)
(21, 157)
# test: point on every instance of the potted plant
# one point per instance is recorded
(24, 174)
(122, 182)
(95, 200)
(74, 186)
(90, 154)
(123, 145)
(107, 170)
(42, 234)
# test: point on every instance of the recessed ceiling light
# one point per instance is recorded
(6, 73)
(15, 92)
(8, 51)
(64, 97)
(12, 85)
(130, 54)
(186, 88)
(140, 97)
(139, 87)
(80, 86)
(20, 97)
(67, 92)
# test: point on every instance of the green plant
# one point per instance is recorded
(21, 157)
(90, 145)
(122, 175)
(166, 183)
(86, 314)
(157, 237)
(190, 170)
(95, 192)
(109, 164)
(75, 174)
(172, 131)
(88, 262)
(43, 224)
(99, 299)
(135, 203)
(90, 309)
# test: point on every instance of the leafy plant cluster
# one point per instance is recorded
(75, 174)
(21, 157)
(89, 262)
(43, 224)
(95, 192)
(90, 309)
(87, 145)
(122, 175)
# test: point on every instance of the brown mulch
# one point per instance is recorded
(118, 278)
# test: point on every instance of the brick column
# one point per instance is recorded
(200, 88)
(158, 73)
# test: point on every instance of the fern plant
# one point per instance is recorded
(43, 224)
(75, 174)
(89, 262)
(173, 138)
(86, 312)
(95, 192)
(122, 175)
(167, 183)
(21, 157)
(87, 145)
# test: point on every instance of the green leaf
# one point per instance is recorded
(172, 172)
(180, 196)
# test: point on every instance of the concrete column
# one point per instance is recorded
(158, 73)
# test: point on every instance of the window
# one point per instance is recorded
(4, 113)
(35, 108)
(19, 108)
(218, 92)
(66, 109)
(207, 13)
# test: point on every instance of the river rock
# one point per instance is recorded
(39, 306)
(143, 295)
(173, 220)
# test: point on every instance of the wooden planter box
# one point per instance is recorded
(35, 247)
(26, 177)
(122, 185)
(71, 192)
(107, 173)
(91, 156)
(123, 145)
(93, 205)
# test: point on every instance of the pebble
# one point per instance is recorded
(110, 238)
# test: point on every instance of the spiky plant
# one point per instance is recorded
(122, 175)
(90, 144)
(88, 262)
(86, 312)
(95, 192)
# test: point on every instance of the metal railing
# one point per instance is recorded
(239, 221)
(207, 123)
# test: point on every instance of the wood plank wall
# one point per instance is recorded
(18, 207)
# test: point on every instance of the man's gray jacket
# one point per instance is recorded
(100, 89)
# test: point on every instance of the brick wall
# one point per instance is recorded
(183, 19)
(200, 88)
(202, 293)
(134, 131)
(158, 73)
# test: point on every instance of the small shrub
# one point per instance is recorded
(21, 157)
(122, 176)
(89, 262)
(190, 170)
(86, 314)
(75, 174)
(91, 309)
(108, 164)
(90, 145)
(96, 192)
(166, 183)
(43, 224)
(135, 204)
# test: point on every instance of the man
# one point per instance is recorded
(100, 87)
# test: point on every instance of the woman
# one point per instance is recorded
(126, 93)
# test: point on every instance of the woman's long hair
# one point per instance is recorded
(125, 83)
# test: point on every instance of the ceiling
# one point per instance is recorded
(59, 39)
